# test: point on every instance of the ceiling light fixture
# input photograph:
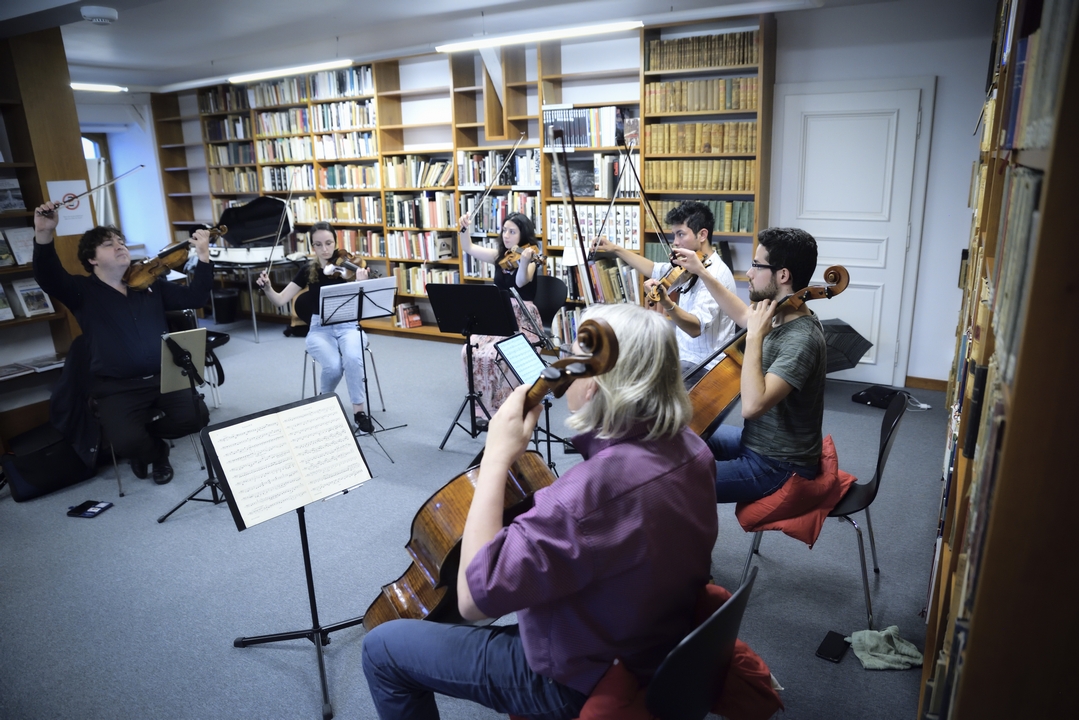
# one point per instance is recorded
(94, 87)
(284, 72)
(539, 36)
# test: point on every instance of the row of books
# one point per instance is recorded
(701, 138)
(343, 146)
(477, 169)
(417, 171)
(615, 282)
(23, 298)
(413, 279)
(704, 51)
(495, 209)
(343, 115)
(228, 180)
(231, 154)
(738, 93)
(434, 210)
(279, 178)
(475, 269)
(582, 127)
(284, 150)
(731, 216)
(359, 209)
(623, 226)
(346, 82)
(349, 177)
(39, 364)
(218, 206)
(222, 98)
(368, 243)
(407, 315)
(227, 128)
(431, 246)
(16, 246)
(262, 304)
(277, 92)
(595, 176)
(713, 175)
(283, 122)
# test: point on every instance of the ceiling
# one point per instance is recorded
(169, 44)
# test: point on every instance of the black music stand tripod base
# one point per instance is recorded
(217, 493)
(471, 310)
(318, 634)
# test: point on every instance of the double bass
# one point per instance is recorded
(717, 391)
(428, 588)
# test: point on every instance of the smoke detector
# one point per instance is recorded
(99, 15)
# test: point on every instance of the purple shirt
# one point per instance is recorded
(609, 562)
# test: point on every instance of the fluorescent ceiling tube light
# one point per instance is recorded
(284, 72)
(539, 36)
(94, 87)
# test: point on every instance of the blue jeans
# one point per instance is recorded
(743, 475)
(407, 661)
(338, 349)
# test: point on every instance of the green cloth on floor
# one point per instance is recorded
(884, 649)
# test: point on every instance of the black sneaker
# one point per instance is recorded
(162, 471)
(139, 468)
(363, 422)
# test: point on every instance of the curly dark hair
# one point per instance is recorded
(791, 248)
(694, 215)
(90, 240)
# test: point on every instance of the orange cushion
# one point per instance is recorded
(800, 507)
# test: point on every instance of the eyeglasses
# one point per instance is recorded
(763, 266)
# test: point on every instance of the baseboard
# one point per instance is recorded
(926, 384)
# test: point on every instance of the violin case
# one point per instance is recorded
(41, 461)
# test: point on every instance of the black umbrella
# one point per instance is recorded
(846, 346)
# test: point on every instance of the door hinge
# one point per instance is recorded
(918, 132)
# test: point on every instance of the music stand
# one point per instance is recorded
(471, 310)
(526, 365)
(280, 460)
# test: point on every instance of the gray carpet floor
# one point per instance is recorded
(123, 617)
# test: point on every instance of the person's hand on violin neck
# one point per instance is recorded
(200, 240)
(45, 221)
(689, 260)
(664, 301)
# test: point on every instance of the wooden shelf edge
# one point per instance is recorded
(385, 326)
(32, 319)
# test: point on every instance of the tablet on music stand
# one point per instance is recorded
(521, 357)
(172, 375)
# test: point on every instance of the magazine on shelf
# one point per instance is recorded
(21, 242)
(10, 195)
(6, 312)
(14, 370)
(7, 257)
(31, 298)
(43, 363)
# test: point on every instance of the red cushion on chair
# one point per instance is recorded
(800, 507)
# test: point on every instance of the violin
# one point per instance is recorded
(715, 393)
(428, 588)
(512, 259)
(349, 261)
(141, 274)
(675, 278)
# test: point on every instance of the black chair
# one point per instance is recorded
(692, 675)
(860, 496)
(551, 294)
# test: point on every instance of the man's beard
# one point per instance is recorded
(769, 292)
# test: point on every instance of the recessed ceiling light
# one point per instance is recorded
(99, 15)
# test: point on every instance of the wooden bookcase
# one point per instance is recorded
(38, 108)
(446, 109)
(999, 638)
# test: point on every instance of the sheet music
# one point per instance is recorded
(279, 462)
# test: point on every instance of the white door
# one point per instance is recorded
(846, 175)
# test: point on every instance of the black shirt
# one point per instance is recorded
(124, 330)
(506, 280)
(308, 304)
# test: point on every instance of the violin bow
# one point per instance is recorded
(66, 200)
(558, 134)
(281, 222)
(610, 207)
(494, 178)
(650, 212)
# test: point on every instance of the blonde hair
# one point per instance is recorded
(645, 384)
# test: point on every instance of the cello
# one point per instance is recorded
(717, 391)
(428, 589)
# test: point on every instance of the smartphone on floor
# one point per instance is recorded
(833, 647)
(88, 509)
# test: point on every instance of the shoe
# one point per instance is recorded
(139, 468)
(162, 471)
(363, 422)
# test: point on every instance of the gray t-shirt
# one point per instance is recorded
(791, 431)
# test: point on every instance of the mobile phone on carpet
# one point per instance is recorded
(88, 509)
(833, 647)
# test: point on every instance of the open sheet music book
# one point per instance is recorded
(285, 458)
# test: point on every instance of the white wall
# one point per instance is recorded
(909, 38)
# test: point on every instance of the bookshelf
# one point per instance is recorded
(998, 578)
(42, 135)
